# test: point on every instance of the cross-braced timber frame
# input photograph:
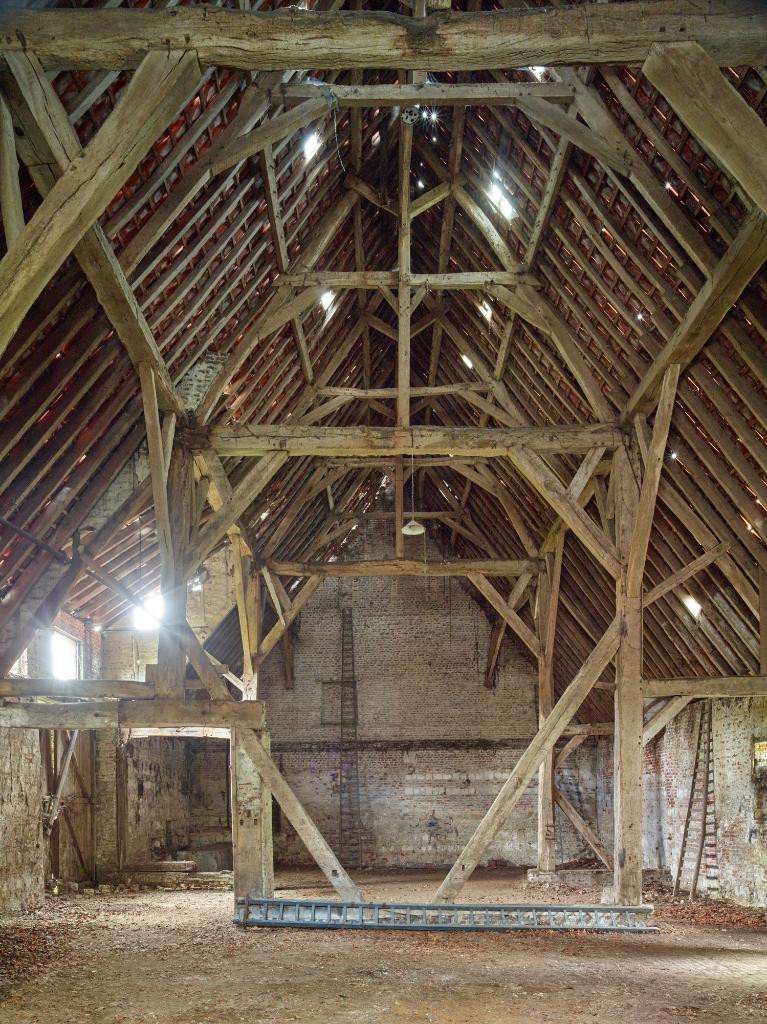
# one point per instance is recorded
(580, 384)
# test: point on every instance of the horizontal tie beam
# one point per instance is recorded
(255, 439)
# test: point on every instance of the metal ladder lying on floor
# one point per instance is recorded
(256, 912)
(699, 834)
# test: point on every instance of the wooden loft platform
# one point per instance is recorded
(518, 268)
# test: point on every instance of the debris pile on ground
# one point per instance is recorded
(721, 913)
(26, 950)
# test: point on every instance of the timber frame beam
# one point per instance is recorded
(706, 688)
(479, 370)
(544, 741)
(488, 442)
(254, 41)
(125, 714)
(160, 86)
(406, 567)
(48, 145)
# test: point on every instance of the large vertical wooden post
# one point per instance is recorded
(548, 605)
(10, 190)
(171, 661)
(265, 832)
(547, 860)
(399, 508)
(243, 589)
(627, 880)
(251, 824)
(253, 607)
(762, 622)
(252, 841)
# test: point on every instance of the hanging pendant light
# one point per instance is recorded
(413, 528)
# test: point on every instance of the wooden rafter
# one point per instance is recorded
(159, 87)
(269, 177)
(734, 271)
(725, 124)
(48, 146)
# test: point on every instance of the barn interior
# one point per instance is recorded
(383, 397)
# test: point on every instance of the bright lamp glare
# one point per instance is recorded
(537, 72)
(501, 201)
(326, 299)
(693, 607)
(150, 616)
(311, 145)
(486, 311)
(467, 361)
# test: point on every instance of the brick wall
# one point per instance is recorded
(741, 805)
(741, 809)
(197, 379)
(435, 745)
(175, 801)
(157, 779)
(123, 485)
(210, 821)
(107, 744)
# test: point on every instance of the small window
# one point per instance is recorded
(65, 656)
(760, 757)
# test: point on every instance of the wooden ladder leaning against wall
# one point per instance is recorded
(699, 835)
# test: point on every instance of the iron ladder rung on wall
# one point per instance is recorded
(275, 913)
(350, 841)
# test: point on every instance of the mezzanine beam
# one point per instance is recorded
(93, 689)
(706, 688)
(129, 714)
(257, 439)
(733, 32)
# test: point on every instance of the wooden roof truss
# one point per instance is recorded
(530, 260)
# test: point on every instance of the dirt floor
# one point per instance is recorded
(160, 957)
